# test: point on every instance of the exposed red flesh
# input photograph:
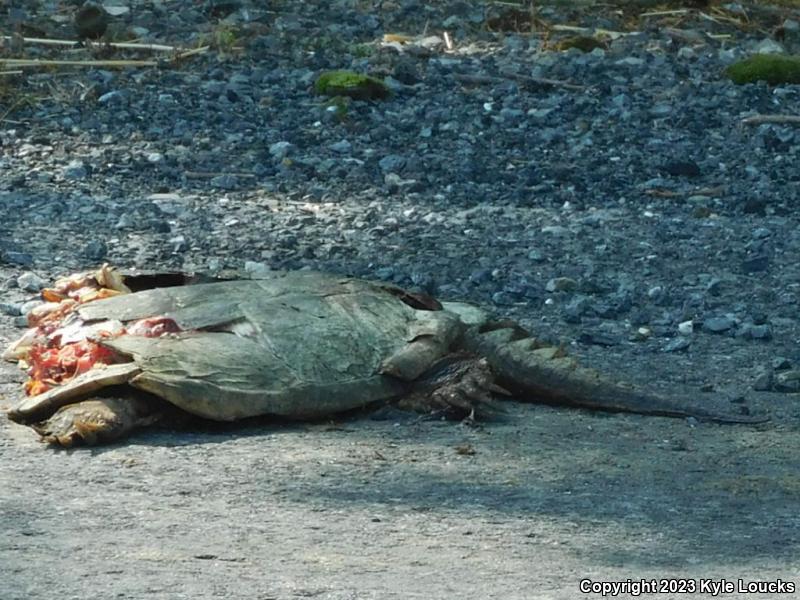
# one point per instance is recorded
(53, 366)
(52, 362)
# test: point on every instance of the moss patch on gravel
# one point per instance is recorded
(351, 84)
(775, 69)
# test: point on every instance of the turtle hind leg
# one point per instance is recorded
(98, 420)
(456, 386)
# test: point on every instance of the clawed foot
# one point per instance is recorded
(458, 387)
(97, 420)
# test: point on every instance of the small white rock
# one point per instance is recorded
(29, 306)
(30, 282)
(769, 46)
(257, 270)
(281, 150)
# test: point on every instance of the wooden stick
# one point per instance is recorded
(128, 45)
(209, 174)
(192, 52)
(448, 41)
(11, 109)
(11, 72)
(778, 119)
(589, 31)
(665, 13)
(547, 82)
(716, 19)
(487, 79)
(24, 62)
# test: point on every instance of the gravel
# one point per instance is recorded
(630, 214)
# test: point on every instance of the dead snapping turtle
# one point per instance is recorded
(299, 345)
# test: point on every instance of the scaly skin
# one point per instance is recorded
(535, 372)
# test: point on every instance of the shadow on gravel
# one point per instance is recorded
(213, 434)
(709, 501)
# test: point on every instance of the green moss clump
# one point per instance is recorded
(581, 42)
(351, 84)
(772, 68)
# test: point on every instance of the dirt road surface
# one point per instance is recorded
(399, 508)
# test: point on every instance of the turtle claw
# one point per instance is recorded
(95, 421)
(470, 420)
(458, 387)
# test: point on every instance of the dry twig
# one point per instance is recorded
(533, 81)
(212, 174)
(776, 119)
(665, 13)
(125, 45)
(12, 108)
(30, 62)
(448, 41)
(591, 31)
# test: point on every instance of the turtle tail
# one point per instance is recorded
(538, 372)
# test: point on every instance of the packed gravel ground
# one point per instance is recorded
(627, 210)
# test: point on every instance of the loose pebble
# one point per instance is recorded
(31, 282)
